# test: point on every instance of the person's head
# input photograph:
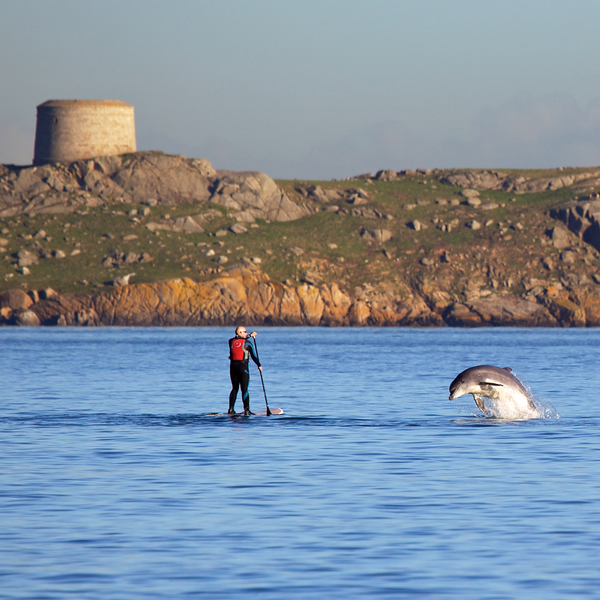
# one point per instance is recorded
(240, 331)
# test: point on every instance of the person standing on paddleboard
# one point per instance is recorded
(240, 351)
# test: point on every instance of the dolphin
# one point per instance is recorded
(499, 385)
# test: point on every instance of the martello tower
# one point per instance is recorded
(69, 130)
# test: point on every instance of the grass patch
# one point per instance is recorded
(322, 248)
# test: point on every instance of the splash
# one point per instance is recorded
(545, 409)
(512, 405)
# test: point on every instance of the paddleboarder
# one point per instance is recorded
(240, 351)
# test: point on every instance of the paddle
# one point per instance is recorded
(261, 377)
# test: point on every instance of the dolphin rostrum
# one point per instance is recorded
(499, 385)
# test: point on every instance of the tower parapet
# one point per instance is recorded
(69, 130)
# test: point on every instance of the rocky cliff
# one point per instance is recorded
(246, 295)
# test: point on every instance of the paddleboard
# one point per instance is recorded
(257, 413)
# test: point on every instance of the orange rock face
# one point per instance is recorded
(246, 295)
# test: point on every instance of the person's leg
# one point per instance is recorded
(235, 386)
(244, 381)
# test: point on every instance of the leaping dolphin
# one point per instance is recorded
(499, 385)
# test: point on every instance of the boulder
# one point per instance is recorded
(317, 193)
(168, 179)
(123, 279)
(254, 195)
(129, 258)
(378, 235)
(47, 293)
(386, 175)
(26, 318)
(355, 199)
(190, 224)
(15, 300)
(357, 192)
(26, 258)
(187, 225)
(153, 226)
(559, 237)
(238, 228)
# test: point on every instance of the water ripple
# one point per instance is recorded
(115, 483)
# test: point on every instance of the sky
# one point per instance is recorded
(317, 89)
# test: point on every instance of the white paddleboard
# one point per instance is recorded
(257, 413)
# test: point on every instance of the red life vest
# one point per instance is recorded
(237, 349)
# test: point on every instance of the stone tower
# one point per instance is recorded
(69, 130)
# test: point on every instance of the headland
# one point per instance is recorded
(147, 238)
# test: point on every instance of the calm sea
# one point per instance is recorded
(113, 485)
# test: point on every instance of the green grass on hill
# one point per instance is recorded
(330, 246)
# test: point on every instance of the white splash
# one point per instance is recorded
(512, 405)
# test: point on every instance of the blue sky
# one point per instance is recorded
(317, 89)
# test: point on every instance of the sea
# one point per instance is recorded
(114, 484)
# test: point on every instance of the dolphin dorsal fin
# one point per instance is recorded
(507, 369)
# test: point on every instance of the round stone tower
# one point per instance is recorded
(69, 130)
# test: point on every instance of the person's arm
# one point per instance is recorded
(253, 354)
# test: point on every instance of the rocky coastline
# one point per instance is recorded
(244, 294)
(408, 248)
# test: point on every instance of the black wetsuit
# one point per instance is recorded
(240, 375)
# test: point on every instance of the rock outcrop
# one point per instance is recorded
(489, 180)
(246, 294)
(495, 180)
(242, 294)
(254, 196)
(15, 309)
(143, 177)
(499, 311)
(582, 217)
